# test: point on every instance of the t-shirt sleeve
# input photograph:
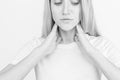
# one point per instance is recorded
(26, 49)
(108, 49)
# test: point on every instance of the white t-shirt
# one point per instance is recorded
(27, 49)
(101, 43)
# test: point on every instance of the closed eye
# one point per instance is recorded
(76, 3)
(58, 3)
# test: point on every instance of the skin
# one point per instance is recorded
(66, 9)
(111, 71)
(20, 70)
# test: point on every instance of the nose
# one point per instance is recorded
(66, 8)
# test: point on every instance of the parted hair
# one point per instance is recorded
(88, 23)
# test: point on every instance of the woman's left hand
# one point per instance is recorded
(83, 42)
(109, 69)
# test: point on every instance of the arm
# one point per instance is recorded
(109, 63)
(9, 66)
(41, 49)
(20, 70)
(107, 58)
(109, 69)
(37, 72)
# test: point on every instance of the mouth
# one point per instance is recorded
(66, 20)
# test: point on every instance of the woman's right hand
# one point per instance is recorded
(50, 43)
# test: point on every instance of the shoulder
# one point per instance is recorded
(104, 45)
(99, 40)
(107, 48)
(27, 48)
(35, 41)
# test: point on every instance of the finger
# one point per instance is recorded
(59, 40)
(79, 29)
(55, 39)
(76, 40)
(54, 30)
(81, 34)
(53, 33)
(82, 39)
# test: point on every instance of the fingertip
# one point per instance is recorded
(55, 26)
(77, 35)
(59, 39)
(75, 38)
(78, 27)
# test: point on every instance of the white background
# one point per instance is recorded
(21, 20)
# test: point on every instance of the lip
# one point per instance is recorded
(66, 19)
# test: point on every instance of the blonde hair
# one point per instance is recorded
(48, 21)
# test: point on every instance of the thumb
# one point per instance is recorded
(59, 40)
(53, 31)
(77, 40)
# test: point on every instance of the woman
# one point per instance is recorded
(70, 47)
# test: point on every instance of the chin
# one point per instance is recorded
(67, 27)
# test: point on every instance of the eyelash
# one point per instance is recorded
(75, 3)
(59, 3)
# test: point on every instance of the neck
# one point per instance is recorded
(67, 36)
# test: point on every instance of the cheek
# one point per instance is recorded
(77, 13)
(77, 16)
(56, 14)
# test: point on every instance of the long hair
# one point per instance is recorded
(88, 24)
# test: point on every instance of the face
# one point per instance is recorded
(66, 13)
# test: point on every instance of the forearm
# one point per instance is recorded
(20, 70)
(108, 68)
